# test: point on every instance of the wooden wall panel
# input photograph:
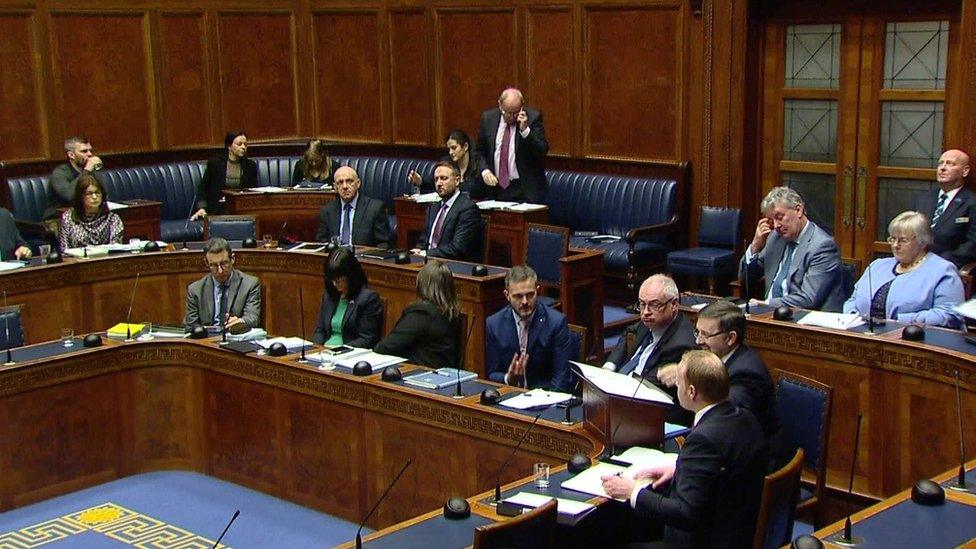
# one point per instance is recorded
(410, 78)
(632, 84)
(550, 68)
(20, 123)
(184, 85)
(102, 79)
(476, 61)
(347, 76)
(257, 58)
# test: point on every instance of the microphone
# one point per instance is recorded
(960, 483)
(359, 536)
(745, 279)
(870, 299)
(189, 214)
(457, 392)
(848, 539)
(301, 309)
(6, 328)
(498, 477)
(128, 316)
(281, 234)
(232, 519)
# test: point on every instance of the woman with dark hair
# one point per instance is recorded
(89, 221)
(459, 151)
(315, 165)
(429, 330)
(232, 170)
(351, 314)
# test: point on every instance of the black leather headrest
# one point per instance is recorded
(456, 508)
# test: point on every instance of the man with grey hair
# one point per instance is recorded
(512, 143)
(798, 259)
(952, 210)
(61, 188)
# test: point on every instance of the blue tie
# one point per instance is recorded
(784, 270)
(345, 236)
(634, 361)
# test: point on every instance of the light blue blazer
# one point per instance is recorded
(925, 295)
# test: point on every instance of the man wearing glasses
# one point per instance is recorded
(226, 298)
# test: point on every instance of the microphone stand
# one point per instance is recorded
(359, 533)
(457, 390)
(6, 327)
(223, 326)
(498, 478)
(128, 316)
(232, 519)
(960, 485)
(848, 539)
(870, 300)
(301, 308)
(745, 279)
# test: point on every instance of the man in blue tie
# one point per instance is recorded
(353, 219)
(226, 298)
(952, 210)
(799, 260)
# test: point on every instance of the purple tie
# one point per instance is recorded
(503, 175)
(435, 237)
(346, 234)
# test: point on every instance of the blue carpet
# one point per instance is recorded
(172, 509)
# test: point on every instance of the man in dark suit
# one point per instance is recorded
(355, 218)
(512, 143)
(710, 496)
(61, 185)
(527, 343)
(226, 297)
(952, 210)
(799, 260)
(453, 229)
(12, 245)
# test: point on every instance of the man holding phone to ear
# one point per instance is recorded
(512, 143)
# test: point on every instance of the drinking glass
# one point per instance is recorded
(541, 471)
(68, 337)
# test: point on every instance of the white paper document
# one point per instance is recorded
(564, 506)
(376, 360)
(10, 265)
(426, 197)
(590, 481)
(331, 358)
(967, 309)
(250, 335)
(495, 204)
(837, 321)
(622, 385)
(645, 457)
(293, 344)
(267, 189)
(307, 247)
(535, 398)
(526, 207)
(112, 206)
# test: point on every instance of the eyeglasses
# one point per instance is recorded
(702, 336)
(900, 240)
(93, 193)
(222, 266)
(653, 305)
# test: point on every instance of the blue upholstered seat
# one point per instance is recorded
(231, 227)
(276, 171)
(718, 232)
(10, 322)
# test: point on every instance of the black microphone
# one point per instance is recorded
(232, 519)
(960, 484)
(281, 234)
(498, 477)
(189, 214)
(870, 299)
(128, 316)
(457, 392)
(301, 309)
(848, 538)
(359, 537)
(6, 328)
(745, 279)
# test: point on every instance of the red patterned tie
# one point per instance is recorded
(503, 175)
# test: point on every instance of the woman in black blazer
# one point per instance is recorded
(470, 165)
(225, 171)
(351, 313)
(429, 330)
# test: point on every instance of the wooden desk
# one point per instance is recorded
(299, 208)
(506, 236)
(141, 219)
(328, 440)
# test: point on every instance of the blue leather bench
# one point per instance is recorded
(642, 212)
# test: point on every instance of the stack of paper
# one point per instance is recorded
(967, 309)
(535, 398)
(375, 360)
(564, 506)
(10, 265)
(426, 197)
(644, 458)
(837, 321)
(250, 335)
(590, 481)
(112, 206)
(327, 357)
(495, 204)
(267, 189)
(293, 344)
(526, 207)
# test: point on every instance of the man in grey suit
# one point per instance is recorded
(226, 297)
(798, 259)
(355, 218)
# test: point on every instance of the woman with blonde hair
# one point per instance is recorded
(315, 165)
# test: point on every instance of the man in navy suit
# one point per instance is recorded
(12, 245)
(453, 229)
(354, 219)
(952, 210)
(512, 143)
(709, 497)
(527, 343)
(799, 260)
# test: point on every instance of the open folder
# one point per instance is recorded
(621, 385)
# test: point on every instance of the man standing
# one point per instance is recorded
(226, 297)
(61, 187)
(354, 219)
(710, 496)
(453, 229)
(799, 260)
(528, 343)
(952, 210)
(512, 143)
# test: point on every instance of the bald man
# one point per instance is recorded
(512, 143)
(952, 210)
(353, 219)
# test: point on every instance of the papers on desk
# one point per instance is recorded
(644, 458)
(375, 360)
(622, 385)
(494, 204)
(526, 207)
(293, 344)
(112, 206)
(328, 357)
(535, 398)
(250, 335)
(589, 481)
(92, 251)
(426, 197)
(10, 265)
(564, 506)
(307, 247)
(967, 309)
(439, 378)
(267, 189)
(837, 321)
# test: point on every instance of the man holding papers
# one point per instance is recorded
(528, 343)
(226, 297)
(710, 496)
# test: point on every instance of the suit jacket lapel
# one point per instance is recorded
(350, 309)
(206, 300)
(801, 249)
(359, 219)
(335, 220)
(949, 215)
(537, 325)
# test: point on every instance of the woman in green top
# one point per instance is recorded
(351, 313)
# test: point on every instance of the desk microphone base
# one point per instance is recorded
(839, 539)
(956, 487)
(10, 363)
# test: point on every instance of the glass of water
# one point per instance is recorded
(541, 471)
(68, 337)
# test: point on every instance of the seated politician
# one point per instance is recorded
(315, 165)
(710, 496)
(351, 313)
(799, 260)
(354, 219)
(228, 170)
(12, 244)
(89, 222)
(429, 330)
(453, 228)
(527, 343)
(63, 180)
(469, 166)
(916, 285)
(226, 298)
